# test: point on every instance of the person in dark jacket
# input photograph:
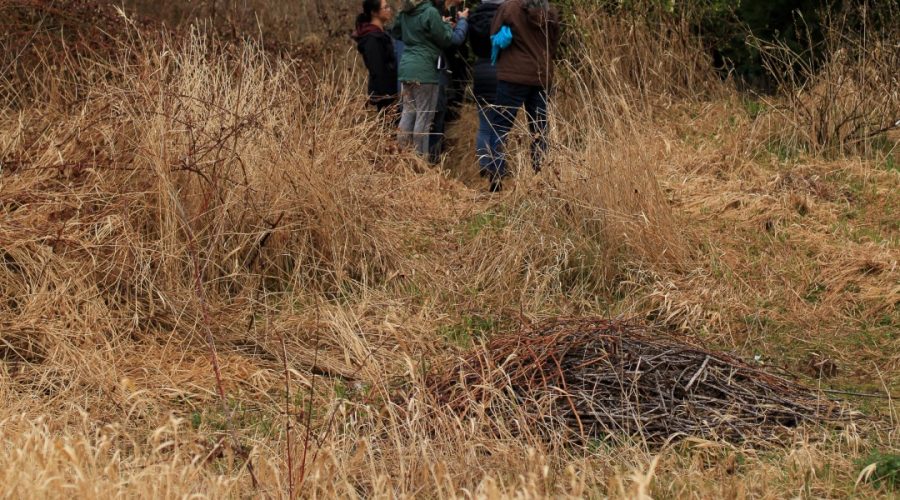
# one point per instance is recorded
(484, 78)
(524, 77)
(377, 49)
(450, 89)
(457, 63)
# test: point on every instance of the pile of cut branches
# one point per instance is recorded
(602, 378)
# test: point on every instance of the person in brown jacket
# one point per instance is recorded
(524, 77)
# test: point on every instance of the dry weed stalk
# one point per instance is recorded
(289, 420)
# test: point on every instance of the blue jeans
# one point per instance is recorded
(511, 97)
(487, 138)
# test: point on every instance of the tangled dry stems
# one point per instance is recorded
(605, 379)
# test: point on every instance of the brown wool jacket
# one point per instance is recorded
(529, 60)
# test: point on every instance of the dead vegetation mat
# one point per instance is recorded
(600, 378)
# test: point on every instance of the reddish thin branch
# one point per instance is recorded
(211, 341)
(287, 412)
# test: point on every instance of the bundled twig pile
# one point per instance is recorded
(601, 378)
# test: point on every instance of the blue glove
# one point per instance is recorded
(500, 41)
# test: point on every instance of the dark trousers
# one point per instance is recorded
(511, 97)
(439, 126)
(486, 137)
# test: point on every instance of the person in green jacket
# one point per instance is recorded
(426, 34)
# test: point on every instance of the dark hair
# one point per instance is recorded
(369, 7)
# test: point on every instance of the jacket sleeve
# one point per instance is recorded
(440, 32)
(377, 62)
(459, 33)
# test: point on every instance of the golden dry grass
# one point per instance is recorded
(196, 190)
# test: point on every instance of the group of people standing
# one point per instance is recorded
(417, 57)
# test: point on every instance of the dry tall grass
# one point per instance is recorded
(189, 197)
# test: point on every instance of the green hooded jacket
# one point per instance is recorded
(425, 35)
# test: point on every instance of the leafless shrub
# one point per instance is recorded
(840, 94)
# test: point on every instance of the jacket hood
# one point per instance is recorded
(480, 21)
(411, 5)
(364, 29)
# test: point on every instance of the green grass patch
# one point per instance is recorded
(783, 150)
(891, 164)
(470, 329)
(485, 221)
(884, 150)
(753, 107)
(247, 419)
(886, 472)
(867, 235)
(814, 292)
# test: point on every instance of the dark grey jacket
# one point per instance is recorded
(484, 74)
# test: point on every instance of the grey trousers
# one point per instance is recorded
(419, 102)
